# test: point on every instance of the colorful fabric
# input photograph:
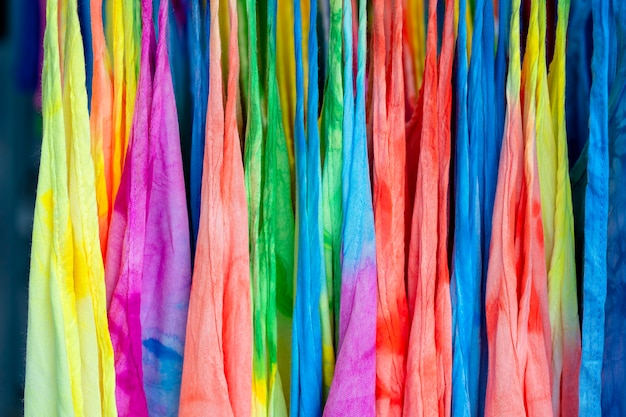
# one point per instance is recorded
(389, 147)
(614, 362)
(337, 271)
(149, 305)
(429, 357)
(562, 295)
(311, 303)
(353, 387)
(465, 282)
(69, 359)
(516, 299)
(217, 372)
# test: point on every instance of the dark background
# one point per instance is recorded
(20, 137)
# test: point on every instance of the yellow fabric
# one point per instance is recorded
(69, 360)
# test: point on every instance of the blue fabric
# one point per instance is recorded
(466, 274)
(596, 217)
(198, 39)
(614, 361)
(578, 78)
(84, 19)
(306, 362)
(484, 148)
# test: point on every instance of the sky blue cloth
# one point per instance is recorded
(465, 288)
(306, 353)
(596, 217)
(484, 142)
(614, 361)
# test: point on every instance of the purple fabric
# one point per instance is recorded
(167, 259)
(148, 262)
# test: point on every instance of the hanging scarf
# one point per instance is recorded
(429, 357)
(69, 359)
(558, 221)
(389, 198)
(614, 362)
(466, 258)
(331, 135)
(277, 231)
(217, 374)
(353, 387)
(311, 303)
(516, 298)
(148, 310)
(100, 120)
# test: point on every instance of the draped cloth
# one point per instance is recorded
(353, 388)
(516, 298)
(614, 359)
(311, 314)
(389, 147)
(149, 256)
(465, 285)
(69, 358)
(429, 357)
(596, 218)
(217, 372)
(557, 214)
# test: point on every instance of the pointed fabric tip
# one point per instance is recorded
(217, 372)
(68, 345)
(429, 357)
(353, 387)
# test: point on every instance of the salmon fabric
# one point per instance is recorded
(516, 300)
(389, 200)
(217, 373)
(429, 357)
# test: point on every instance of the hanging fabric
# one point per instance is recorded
(614, 362)
(217, 373)
(555, 184)
(69, 368)
(389, 147)
(311, 303)
(429, 357)
(518, 328)
(331, 143)
(353, 387)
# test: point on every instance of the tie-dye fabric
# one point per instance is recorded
(389, 147)
(557, 214)
(311, 303)
(353, 387)
(69, 359)
(217, 373)
(331, 143)
(614, 360)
